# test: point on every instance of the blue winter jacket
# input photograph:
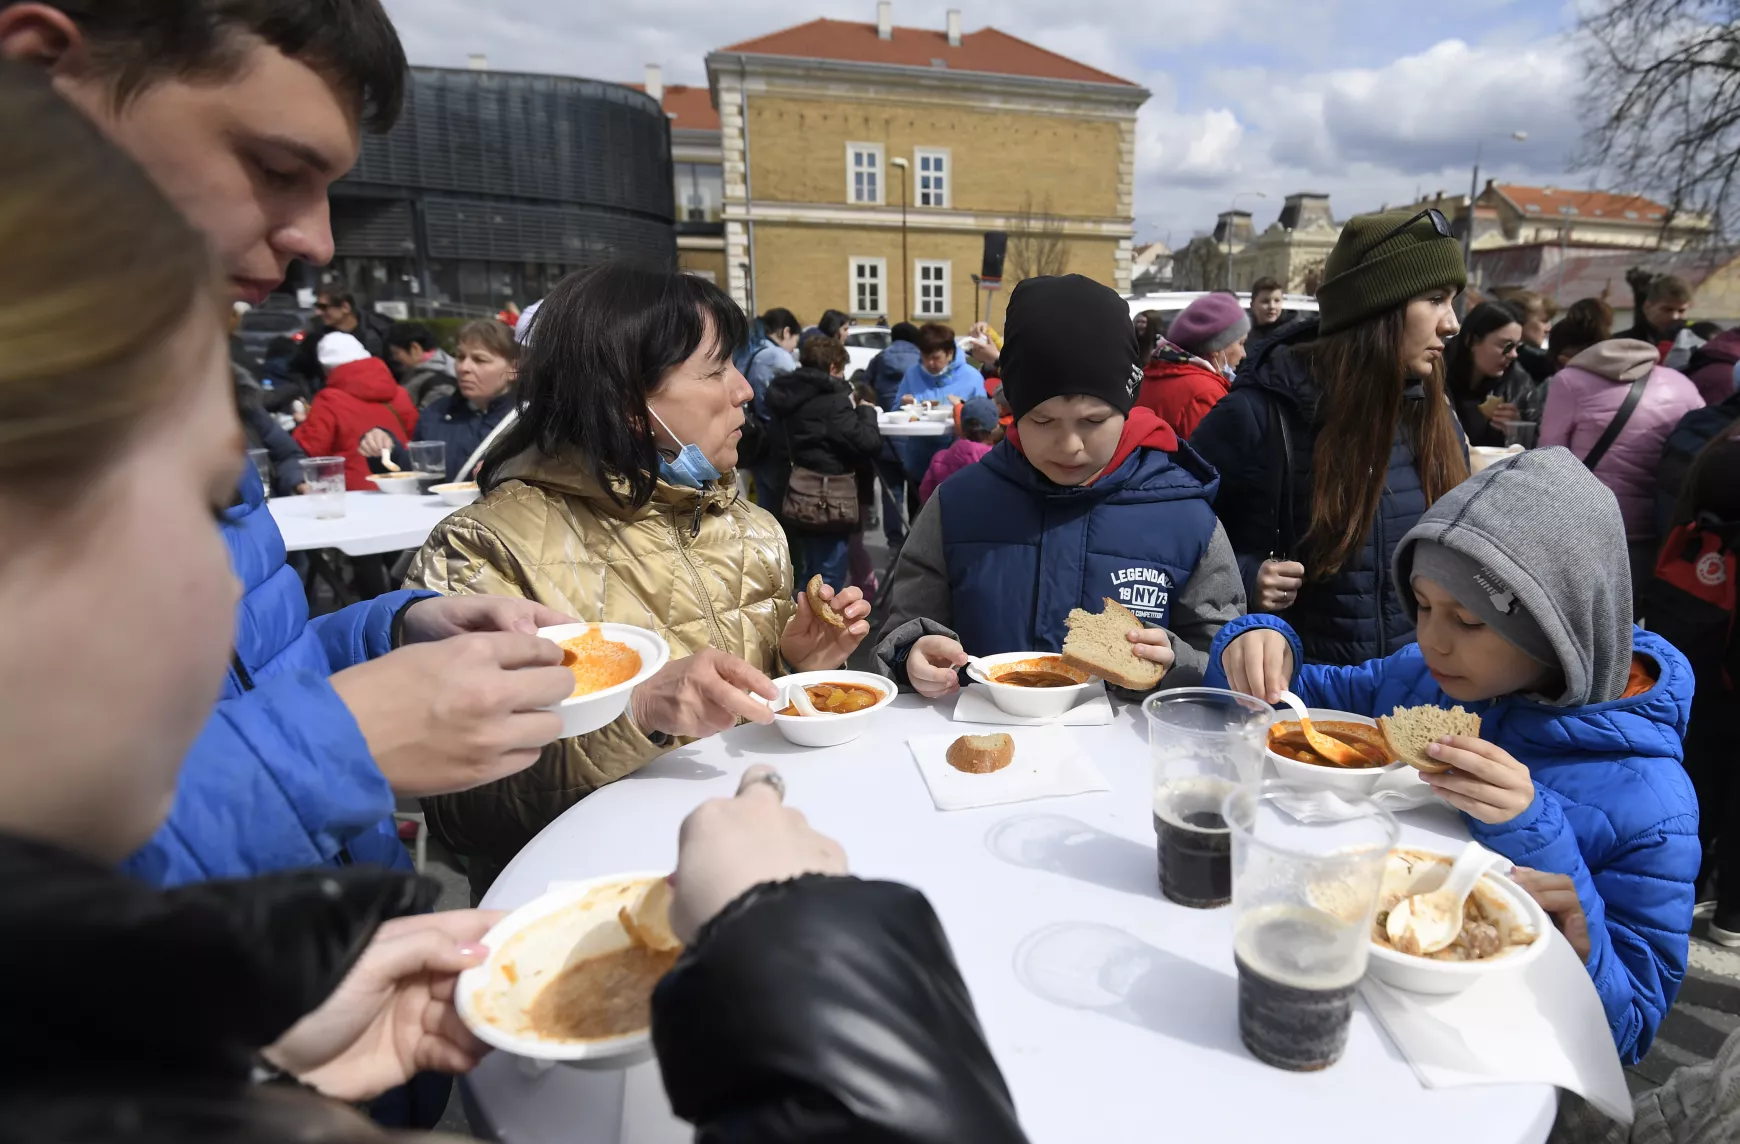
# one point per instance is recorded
(280, 777)
(959, 380)
(888, 369)
(1021, 551)
(1613, 808)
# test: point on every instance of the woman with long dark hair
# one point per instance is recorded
(1489, 389)
(1337, 436)
(613, 498)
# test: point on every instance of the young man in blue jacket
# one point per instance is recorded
(1521, 591)
(244, 114)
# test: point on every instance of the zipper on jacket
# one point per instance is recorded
(243, 678)
(713, 624)
(1383, 585)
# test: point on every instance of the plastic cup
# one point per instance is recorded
(325, 479)
(1524, 433)
(429, 457)
(1203, 742)
(1304, 895)
(262, 462)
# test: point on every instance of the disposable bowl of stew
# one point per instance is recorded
(1299, 766)
(845, 702)
(608, 661)
(1032, 684)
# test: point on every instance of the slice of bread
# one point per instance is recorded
(1097, 645)
(1410, 730)
(648, 919)
(981, 754)
(823, 610)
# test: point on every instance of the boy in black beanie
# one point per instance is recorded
(1086, 499)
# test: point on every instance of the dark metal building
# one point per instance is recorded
(493, 185)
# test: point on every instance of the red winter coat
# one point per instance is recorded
(359, 396)
(1180, 388)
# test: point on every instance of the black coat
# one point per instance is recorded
(263, 432)
(1517, 386)
(827, 1009)
(1356, 614)
(814, 425)
(136, 1013)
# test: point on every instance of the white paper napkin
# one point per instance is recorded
(1543, 1024)
(1048, 764)
(1398, 790)
(976, 706)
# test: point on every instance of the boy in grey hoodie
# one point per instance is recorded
(1521, 591)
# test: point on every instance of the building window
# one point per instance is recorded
(933, 288)
(864, 172)
(933, 177)
(865, 286)
(700, 192)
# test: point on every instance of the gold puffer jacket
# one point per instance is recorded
(699, 566)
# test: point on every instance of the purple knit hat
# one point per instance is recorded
(1212, 322)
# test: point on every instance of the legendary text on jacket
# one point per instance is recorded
(1144, 591)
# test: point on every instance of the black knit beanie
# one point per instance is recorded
(1365, 277)
(1068, 335)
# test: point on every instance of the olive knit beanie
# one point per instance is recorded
(1368, 274)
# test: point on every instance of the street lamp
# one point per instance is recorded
(1229, 225)
(905, 271)
(1474, 191)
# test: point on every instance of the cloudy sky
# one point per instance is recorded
(1367, 100)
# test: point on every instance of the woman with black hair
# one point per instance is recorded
(1488, 387)
(613, 498)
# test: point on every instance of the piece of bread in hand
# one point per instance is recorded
(648, 919)
(1098, 646)
(823, 610)
(1410, 730)
(981, 754)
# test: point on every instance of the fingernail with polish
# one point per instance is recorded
(474, 949)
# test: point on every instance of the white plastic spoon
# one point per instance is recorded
(1332, 749)
(797, 696)
(1426, 923)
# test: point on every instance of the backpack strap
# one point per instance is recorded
(1282, 435)
(1611, 433)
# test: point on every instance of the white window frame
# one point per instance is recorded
(853, 150)
(852, 299)
(946, 176)
(919, 266)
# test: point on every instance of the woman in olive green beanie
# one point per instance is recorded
(1336, 437)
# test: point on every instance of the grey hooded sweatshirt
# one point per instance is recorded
(1562, 555)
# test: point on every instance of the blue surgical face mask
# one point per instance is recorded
(690, 468)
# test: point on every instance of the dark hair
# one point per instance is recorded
(825, 354)
(1360, 374)
(1264, 285)
(607, 336)
(404, 335)
(339, 296)
(833, 322)
(934, 336)
(1591, 313)
(1459, 354)
(1668, 288)
(1153, 329)
(351, 43)
(778, 320)
(904, 332)
(1705, 329)
(492, 335)
(865, 393)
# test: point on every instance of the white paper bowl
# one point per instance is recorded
(600, 709)
(457, 494)
(830, 730)
(1028, 702)
(399, 484)
(578, 921)
(1424, 975)
(1310, 776)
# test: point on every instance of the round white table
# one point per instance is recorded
(925, 428)
(372, 523)
(1112, 1012)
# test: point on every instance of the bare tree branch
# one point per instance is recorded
(1036, 245)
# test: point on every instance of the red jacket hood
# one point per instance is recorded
(1143, 429)
(366, 380)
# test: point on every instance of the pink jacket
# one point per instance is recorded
(1583, 398)
(949, 462)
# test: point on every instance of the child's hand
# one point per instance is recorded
(1153, 646)
(1557, 894)
(1259, 663)
(931, 664)
(1484, 782)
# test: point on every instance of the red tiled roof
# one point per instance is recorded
(689, 107)
(1548, 202)
(986, 50)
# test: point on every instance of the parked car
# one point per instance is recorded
(261, 325)
(863, 343)
(1172, 303)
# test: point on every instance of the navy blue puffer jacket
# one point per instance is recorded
(1354, 615)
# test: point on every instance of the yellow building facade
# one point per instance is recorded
(864, 164)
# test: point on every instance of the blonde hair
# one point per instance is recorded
(490, 335)
(96, 269)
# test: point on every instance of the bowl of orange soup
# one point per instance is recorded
(608, 661)
(1297, 765)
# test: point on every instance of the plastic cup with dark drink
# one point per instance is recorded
(1203, 743)
(1303, 899)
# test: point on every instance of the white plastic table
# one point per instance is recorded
(1111, 1011)
(925, 428)
(372, 523)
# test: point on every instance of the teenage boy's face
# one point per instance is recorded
(247, 158)
(1467, 658)
(1266, 307)
(1071, 438)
